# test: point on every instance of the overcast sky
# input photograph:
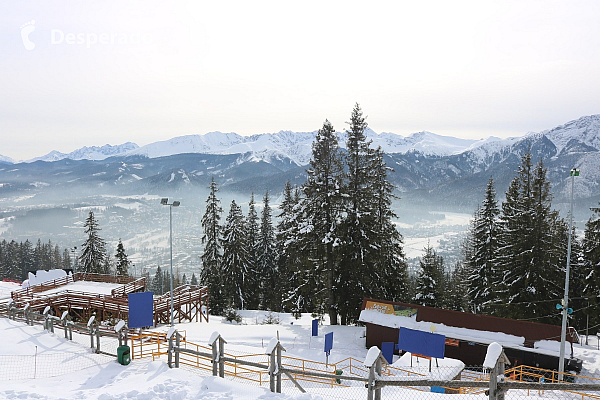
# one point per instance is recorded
(98, 72)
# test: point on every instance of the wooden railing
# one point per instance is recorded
(29, 291)
(121, 280)
(131, 287)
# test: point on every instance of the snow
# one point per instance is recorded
(372, 356)
(85, 375)
(83, 286)
(6, 288)
(441, 368)
(485, 337)
(271, 346)
(119, 325)
(44, 276)
(494, 351)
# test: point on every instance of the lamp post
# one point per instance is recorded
(165, 202)
(73, 250)
(565, 302)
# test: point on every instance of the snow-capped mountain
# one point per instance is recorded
(6, 160)
(89, 153)
(297, 146)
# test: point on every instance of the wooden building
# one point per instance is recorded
(468, 335)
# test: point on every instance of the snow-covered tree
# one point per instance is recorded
(270, 294)
(253, 232)
(359, 249)
(429, 290)
(531, 246)
(483, 277)
(93, 254)
(390, 277)
(235, 263)
(211, 275)
(322, 207)
(591, 265)
(122, 266)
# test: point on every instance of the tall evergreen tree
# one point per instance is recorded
(93, 252)
(359, 252)
(591, 265)
(270, 295)
(235, 265)
(390, 277)
(322, 207)
(211, 275)
(531, 246)
(123, 262)
(285, 246)
(430, 285)
(483, 277)
(253, 232)
(26, 259)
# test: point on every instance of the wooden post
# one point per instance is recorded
(278, 367)
(221, 357)
(177, 344)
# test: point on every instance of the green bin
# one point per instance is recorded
(338, 372)
(123, 355)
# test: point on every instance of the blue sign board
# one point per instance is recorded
(424, 343)
(315, 327)
(387, 350)
(141, 310)
(328, 342)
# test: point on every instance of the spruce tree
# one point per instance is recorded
(359, 251)
(530, 248)
(430, 285)
(26, 259)
(193, 280)
(322, 207)
(483, 277)
(211, 275)
(591, 266)
(390, 277)
(235, 265)
(123, 262)
(253, 232)
(285, 246)
(270, 295)
(93, 252)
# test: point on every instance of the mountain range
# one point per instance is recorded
(439, 170)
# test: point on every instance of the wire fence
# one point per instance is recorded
(345, 379)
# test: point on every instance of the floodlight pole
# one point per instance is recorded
(565, 302)
(165, 202)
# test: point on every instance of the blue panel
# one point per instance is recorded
(387, 349)
(141, 310)
(424, 343)
(437, 389)
(328, 342)
(315, 327)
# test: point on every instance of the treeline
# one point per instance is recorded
(19, 258)
(515, 256)
(334, 242)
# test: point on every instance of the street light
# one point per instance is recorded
(73, 250)
(565, 302)
(165, 202)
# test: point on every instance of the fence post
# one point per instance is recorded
(496, 360)
(177, 344)
(97, 329)
(217, 343)
(272, 371)
(221, 357)
(374, 361)
(90, 326)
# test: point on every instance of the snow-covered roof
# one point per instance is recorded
(470, 335)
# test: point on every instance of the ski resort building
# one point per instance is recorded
(468, 335)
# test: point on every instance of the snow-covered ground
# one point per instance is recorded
(6, 288)
(83, 286)
(68, 370)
